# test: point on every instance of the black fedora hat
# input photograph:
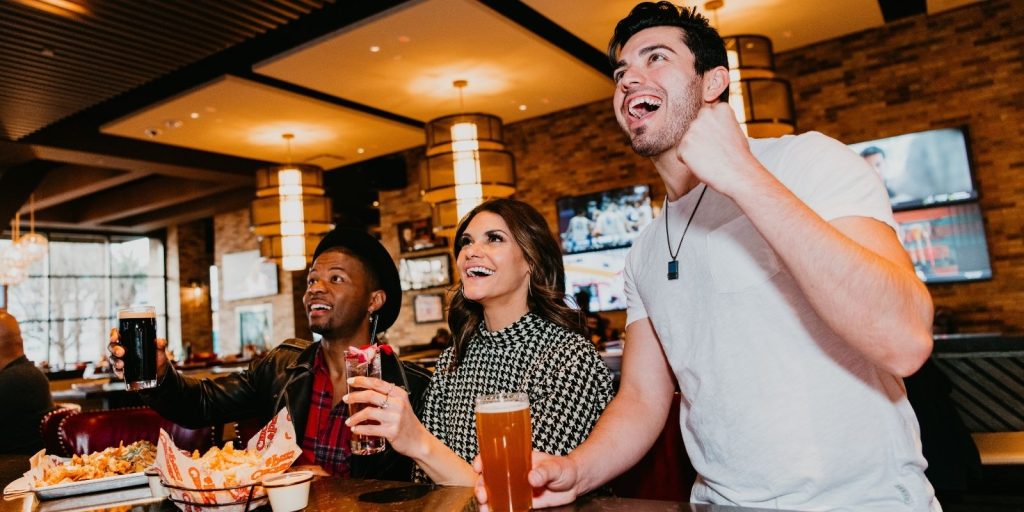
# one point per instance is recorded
(376, 258)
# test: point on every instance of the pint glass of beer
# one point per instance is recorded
(505, 436)
(364, 363)
(137, 326)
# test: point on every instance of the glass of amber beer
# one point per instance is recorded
(505, 436)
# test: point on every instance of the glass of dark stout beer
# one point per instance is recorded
(137, 326)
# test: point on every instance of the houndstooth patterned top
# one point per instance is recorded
(567, 382)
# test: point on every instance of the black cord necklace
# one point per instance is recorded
(673, 265)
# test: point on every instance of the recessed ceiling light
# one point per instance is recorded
(151, 132)
(210, 109)
(522, 107)
(376, 204)
(360, 150)
(194, 115)
(404, 39)
(374, 49)
(173, 123)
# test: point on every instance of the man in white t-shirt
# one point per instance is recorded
(772, 286)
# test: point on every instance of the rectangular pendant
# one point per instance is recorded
(673, 270)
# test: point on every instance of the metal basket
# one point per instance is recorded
(248, 502)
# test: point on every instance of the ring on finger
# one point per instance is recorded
(392, 388)
(384, 404)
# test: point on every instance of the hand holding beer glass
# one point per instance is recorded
(363, 363)
(506, 440)
(137, 337)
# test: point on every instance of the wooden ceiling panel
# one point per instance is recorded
(425, 46)
(244, 118)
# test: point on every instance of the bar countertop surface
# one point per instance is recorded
(335, 494)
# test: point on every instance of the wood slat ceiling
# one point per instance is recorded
(57, 61)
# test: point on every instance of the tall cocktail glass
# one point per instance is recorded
(364, 363)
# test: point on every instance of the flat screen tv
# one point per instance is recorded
(610, 219)
(599, 273)
(922, 168)
(946, 243)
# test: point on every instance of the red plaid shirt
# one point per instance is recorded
(326, 441)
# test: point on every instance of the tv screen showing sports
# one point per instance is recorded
(599, 273)
(921, 168)
(946, 243)
(603, 220)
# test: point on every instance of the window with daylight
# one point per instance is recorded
(69, 302)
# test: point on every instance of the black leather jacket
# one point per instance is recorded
(284, 377)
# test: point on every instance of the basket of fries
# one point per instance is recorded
(226, 479)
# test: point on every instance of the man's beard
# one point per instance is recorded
(650, 144)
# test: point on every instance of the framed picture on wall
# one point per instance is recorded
(428, 307)
(418, 235)
(246, 276)
(425, 271)
(255, 327)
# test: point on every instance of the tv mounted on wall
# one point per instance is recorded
(596, 231)
(946, 243)
(609, 219)
(922, 168)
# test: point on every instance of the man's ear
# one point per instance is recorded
(377, 299)
(714, 82)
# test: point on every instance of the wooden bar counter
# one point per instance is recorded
(335, 494)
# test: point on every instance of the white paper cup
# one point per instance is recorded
(288, 492)
(155, 487)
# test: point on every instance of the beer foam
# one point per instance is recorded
(122, 315)
(496, 407)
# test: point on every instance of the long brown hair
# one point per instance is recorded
(540, 249)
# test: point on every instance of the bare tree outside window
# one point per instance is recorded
(69, 302)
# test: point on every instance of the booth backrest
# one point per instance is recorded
(96, 430)
(49, 428)
(665, 472)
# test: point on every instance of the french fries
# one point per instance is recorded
(121, 460)
(220, 459)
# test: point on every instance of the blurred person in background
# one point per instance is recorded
(24, 392)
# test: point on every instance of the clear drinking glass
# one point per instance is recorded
(137, 331)
(357, 366)
(505, 435)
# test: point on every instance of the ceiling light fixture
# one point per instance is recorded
(13, 261)
(33, 245)
(466, 164)
(763, 103)
(290, 211)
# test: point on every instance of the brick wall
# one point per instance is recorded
(959, 68)
(194, 257)
(231, 234)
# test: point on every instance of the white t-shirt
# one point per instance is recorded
(777, 410)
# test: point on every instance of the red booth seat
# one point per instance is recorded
(93, 431)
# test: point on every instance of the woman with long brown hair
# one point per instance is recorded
(512, 331)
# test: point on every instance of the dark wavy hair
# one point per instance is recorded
(698, 35)
(547, 274)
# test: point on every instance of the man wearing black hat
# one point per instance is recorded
(352, 293)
